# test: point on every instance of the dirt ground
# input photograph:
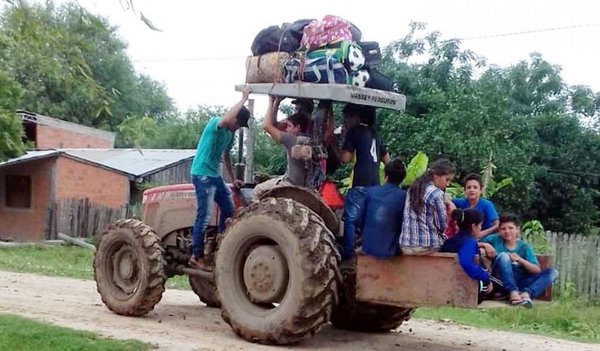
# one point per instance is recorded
(180, 322)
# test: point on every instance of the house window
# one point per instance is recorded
(18, 191)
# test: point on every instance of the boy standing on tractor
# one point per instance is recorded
(295, 126)
(215, 142)
(362, 143)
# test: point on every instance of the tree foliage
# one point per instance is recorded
(171, 132)
(461, 108)
(10, 125)
(73, 65)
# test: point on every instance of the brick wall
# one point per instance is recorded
(49, 137)
(76, 179)
(27, 223)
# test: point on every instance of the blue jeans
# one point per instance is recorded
(514, 280)
(352, 204)
(207, 190)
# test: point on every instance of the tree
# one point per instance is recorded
(72, 65)
(568, 174)
(450, 114)
(10, 125)
(170, 132)
(461, 108)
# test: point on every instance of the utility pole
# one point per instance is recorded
(249, 170)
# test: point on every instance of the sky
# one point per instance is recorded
(200, 53)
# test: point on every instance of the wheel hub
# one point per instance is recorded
(265, 274)
(125, 269)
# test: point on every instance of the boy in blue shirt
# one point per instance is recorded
(215, 143)
(473, 187)
(381, 213)
(516, 264)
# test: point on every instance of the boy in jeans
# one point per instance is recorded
(516, 264)
(215, 144)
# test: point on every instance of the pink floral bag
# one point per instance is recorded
(329, 30)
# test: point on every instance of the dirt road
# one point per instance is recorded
(180, 322)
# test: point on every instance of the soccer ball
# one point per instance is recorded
(356, 58)
(360, 78)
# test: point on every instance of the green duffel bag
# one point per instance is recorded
(348, 53)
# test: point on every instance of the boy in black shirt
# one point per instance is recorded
(363, 144)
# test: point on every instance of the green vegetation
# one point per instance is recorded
(543, 133)
(26, 335)
(462, 108)
(60, 261)
(566, 318)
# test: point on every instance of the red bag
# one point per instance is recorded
(452, 228)
(331, 196)
(329, 30)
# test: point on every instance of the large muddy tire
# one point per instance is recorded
(359, 316)
(365, 317)
(206, 291)
(129, 268)
(276, 272)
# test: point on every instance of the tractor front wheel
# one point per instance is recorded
(129, 268)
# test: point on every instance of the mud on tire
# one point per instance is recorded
(365, 317)
(276, 272)
(129, 268)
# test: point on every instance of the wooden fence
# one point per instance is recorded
(82, 218)
(576, 257)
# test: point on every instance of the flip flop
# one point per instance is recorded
(515, 302)
(527, 303)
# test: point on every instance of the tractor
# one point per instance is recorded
(276, 268)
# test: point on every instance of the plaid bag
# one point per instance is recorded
(329, 30)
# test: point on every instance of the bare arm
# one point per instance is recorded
(347, 144)
(346, 156)
(490, 252)
(270, 118)
(529, 267)
(229, 119)
(228, 165)
(386, 158)
(491, 229)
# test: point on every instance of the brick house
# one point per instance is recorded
(73, 162)
(48, 133)
(32, 184)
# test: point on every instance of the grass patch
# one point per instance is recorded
(566, 318)
(570, 319)
(21, 334)
(61, 261)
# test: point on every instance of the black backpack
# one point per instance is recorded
(272, 39)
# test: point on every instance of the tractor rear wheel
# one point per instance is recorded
(359, 316)
(365, 317)
(206, 291)
(129, 268)
(276, 272)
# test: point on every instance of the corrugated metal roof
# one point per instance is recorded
(129, 161)
(132, 161)
(30, 156)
